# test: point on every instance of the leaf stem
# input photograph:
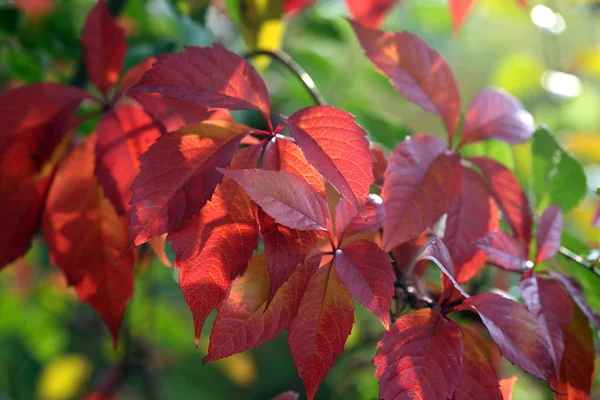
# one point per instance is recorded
(284, 59)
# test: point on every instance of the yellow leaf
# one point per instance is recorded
(583, 145)
(64, 377)
(262, 26)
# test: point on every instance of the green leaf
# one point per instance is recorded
(558, 178)
(493, 149)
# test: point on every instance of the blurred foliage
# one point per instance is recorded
(52, 347)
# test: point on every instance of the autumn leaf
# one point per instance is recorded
(459, 11)
(548, 234)
(472, 216)
(215, 246)
(85, 237)
(421, 184)
(210, 77)
(514, 330)
(417, 71)
(288, 199)
(337, 147)
(320, 329)
(495, 114)
(349, 222)
(244, 320)
(366, 270)
(506, 386)
(292, 7)
(370, 13)
(178, 176)
(103, 44)
(420, 356)
(122, 136)
(504, 251)
(577, 295)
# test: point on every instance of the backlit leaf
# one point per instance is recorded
(548, 234)
(421, 184)
(421, 356)
(459, 11)
(417, 71)
(337, 147)
(504, 250)
(506, 386)
(349, 222)
(370, 13)
(578, 297)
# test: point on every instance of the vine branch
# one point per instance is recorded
(579, 260)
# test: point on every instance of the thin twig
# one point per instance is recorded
(578, 259)
(287, 61)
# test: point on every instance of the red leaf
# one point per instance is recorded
(495, 114)
(478, 380)
(178, 176)
(510, 197)
(406, 254)
(134, 74)
(85, 237)
(210, 77)
(245, 321)
(379, 165)
(417, 71)
(472, 216)
(577, 368)
(285, 197)
(514, 330)
(370, 13)
(504, 251)
(367, 272)
(157, 244)
(215, 246)
(32, 106)
(123, 135)
(459, 11)
(577, 295)
(320, 329)
(421, 356)
(552, 307)
(506, 386)
(349, 222)
(548, 233)
(421, 184)
(103, 44)
(337, 147)
(285, 248)
(293, 7)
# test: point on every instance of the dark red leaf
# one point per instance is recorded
(548, 233)
(472, 216)
(504, 251)
(370, 13)
(320, 329)
(103, 44)
(577, 368)
(178, 176)
(349, 222)
(459, 11)
(215, 246)
(406, 254)
(367, 272)
(495, 114)
(285, 197)
(577, 295)
(506, 386)
(510, 197)
(552, 307)
(478, 380)
(421, 356)
(210, 77)
(379, 165)
(123, 135)
(293, 7)
(421, 184)
(514, 330)
(245, 321)
(337, 147)
(417, 71)
(85, 237)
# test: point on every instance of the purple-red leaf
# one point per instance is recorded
(285, 197)
(367, 272)
(514, 330)
(215, 246)
(417, 71)
(370, 13)
(349, 222)
(577, 295)
(337, 147)
(104, 46)
(320, 329)
(504, 251)
(123, 135)
(210, 77)
(178, 176)
(472, 216)
(548, 233)
(552, 307)
(495, 114)
(510, 197)
(421, 184)
(420, 357)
